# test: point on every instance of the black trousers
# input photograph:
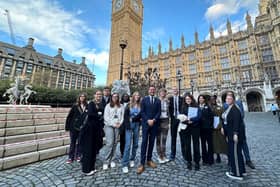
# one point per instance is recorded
(90, 136)
(236, 159)
(74, 150)
(206, 136)
(186, 136)
(122, 140)
(174, 130)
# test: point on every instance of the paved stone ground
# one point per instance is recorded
(263, 132)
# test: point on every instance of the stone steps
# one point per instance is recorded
(27, 158)
(31, 134)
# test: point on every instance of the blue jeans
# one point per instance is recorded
(131, 134)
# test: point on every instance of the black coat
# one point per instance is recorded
(207, 117)
(235, 124)
(91, 133)
(75, 118)
(171, 105)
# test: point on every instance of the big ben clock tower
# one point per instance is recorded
(127, 20)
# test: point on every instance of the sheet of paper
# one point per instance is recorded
(216, 121)
(192, 112)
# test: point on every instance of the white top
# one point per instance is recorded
(113, 115)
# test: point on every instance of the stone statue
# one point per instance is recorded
(25, 96)
(14, 93)
(121, 87)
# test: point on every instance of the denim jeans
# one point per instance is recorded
(131, 134)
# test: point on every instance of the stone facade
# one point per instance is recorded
(127, 18)
(246, 62)
(41, 69)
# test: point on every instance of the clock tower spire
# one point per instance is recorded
(126, 24)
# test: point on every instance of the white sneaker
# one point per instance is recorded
(113, 164)
(125, 169)
(131, 164)
(91, 173)
(166, 160)
(233, 177)
(105, 166)
(160, 161)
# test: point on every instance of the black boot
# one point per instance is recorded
(250, 164)
(196, 167)
(189, 166)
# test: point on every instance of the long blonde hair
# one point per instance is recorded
(133, 101)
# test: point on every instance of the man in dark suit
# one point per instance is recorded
(175, 104)
(150, 113)
(106, 96)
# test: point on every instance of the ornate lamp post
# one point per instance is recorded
(192, 85)
(179, 78)
(123, 44)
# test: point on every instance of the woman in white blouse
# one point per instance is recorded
(113, 118)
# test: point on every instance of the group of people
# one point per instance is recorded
(203, 125)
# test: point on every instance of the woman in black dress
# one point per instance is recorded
(91, 135)
(234, 129)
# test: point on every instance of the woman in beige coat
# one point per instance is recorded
(219, 141)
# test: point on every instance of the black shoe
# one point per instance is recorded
(189, 166)
(250, 164)
(196, 167)
(204, 163)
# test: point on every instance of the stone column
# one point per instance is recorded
(50, 80)
(33, 73)
(2, 65)
(12, 74)
(64, 79)
(70, 81)
(57, 78)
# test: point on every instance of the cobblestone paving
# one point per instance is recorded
(263, 132)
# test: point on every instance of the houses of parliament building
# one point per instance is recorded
(43, 70)
(246, 62)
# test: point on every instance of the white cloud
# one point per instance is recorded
(221, 8)
(151, 38)
(52, 26)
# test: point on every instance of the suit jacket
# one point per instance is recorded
(150, 111)
(171, 105)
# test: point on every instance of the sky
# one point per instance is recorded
(82, 27)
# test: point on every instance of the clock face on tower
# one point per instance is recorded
(135, 5)
(118, 5)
